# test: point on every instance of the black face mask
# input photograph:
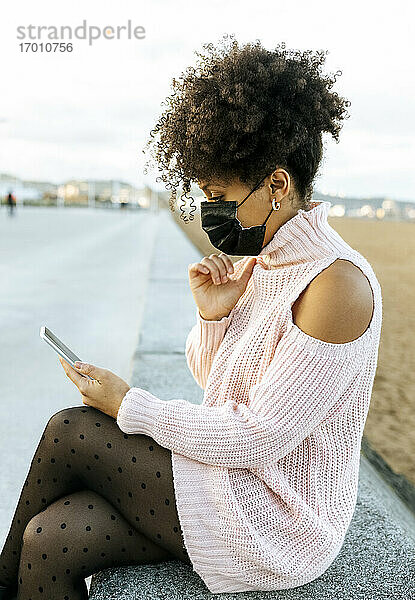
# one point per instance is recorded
(220, 221)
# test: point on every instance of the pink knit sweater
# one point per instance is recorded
(266, 468)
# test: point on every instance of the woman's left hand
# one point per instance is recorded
(104, 392)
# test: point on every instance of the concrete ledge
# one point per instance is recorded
(377, 560)
(374, 563)
(402, 486)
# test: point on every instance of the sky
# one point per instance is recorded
(87, 114)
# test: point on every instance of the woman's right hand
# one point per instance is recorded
(215, 297)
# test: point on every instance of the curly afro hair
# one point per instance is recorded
(242, 112)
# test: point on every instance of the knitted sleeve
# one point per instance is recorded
(303, 383)
(202, 343)
(204, 340)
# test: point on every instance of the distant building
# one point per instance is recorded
(84, 192)
(371, 208)
(78, 192)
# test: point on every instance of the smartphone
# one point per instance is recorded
(60, 348)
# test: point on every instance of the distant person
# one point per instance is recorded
(11, 203)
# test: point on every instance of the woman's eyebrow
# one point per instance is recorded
(211, 184)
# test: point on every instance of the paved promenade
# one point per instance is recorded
(83, 274)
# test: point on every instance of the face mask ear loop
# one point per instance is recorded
(270, 212)
(251, 192)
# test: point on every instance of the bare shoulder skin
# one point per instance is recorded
(337, 305)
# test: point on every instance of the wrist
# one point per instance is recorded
(212, 317)
(127, 389)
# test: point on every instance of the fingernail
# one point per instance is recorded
(78, 365)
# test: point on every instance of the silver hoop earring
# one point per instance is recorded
(273, 204)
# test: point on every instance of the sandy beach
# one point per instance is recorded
(390, 247)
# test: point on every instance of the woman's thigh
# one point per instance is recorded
(132, 471)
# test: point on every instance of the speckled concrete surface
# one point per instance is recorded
(377, 560)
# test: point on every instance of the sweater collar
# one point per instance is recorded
(307, 236)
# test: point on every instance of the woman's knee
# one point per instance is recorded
(62, 429)
(32, 535)
(43, 548)
(62, 522)
(65, 415)
(68, 418)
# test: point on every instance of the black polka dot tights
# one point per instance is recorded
(94, 497)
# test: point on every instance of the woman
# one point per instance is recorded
(265, 471)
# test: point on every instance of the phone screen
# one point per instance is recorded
(61, 349)
(60, 345)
